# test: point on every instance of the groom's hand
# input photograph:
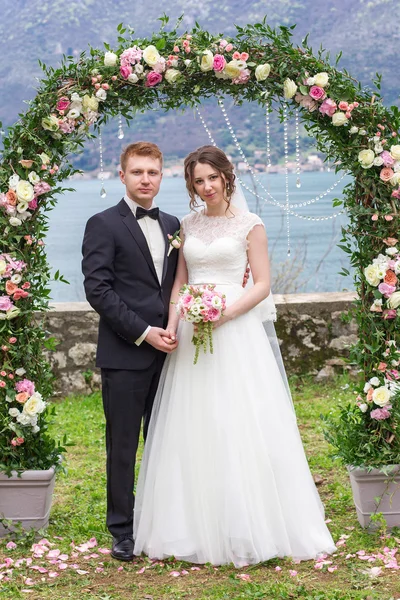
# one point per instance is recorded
(161, 340)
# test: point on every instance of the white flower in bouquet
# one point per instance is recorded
(381, 396)
(392, 251)
(138, 69)
(394, 300)
(378, 161)
(321, 79)
(151, 55)
(371, 275)
(20, 372)
(13, 412)
(363, 407)
(133, 78)
(353, 129)
(34, 405)
(24, 191)
(289, 88)
(110, 59)
(33, 177)
(24, 419)
(16, 278)
(207, 61)
(366, 158)
(367, 387)
(101, 94)
(339, 119)
(74, 113)
(378, 148)
(35, 428)
(12, 182)
(22, 207)
(395, 151)
(15, 222)
(374, 381)
(216, 302)
(262, 72)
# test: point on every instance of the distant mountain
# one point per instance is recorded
(366, 32)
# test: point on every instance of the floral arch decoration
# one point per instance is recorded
(351, 125)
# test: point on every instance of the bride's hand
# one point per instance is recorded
(224, 319)
(171, 339)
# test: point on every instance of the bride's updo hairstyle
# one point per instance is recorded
(217, 159)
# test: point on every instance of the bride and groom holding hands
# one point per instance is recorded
(224, 477)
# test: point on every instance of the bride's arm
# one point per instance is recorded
(181, 278)
(259, 265)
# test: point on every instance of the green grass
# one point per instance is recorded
(78, 514)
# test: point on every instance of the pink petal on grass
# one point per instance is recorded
(11, 545)
(53, 574)
(29, 581)
(292, 573)
(63, 557)
(184, 572)
(99, 570)
(332, 569)
(103, 550)
(63, 566)
(195, 569)
(175, 574)
(82, 572)
(277, 569)
(142, 570)
(243, 577)
(54, 553)
(328, 521)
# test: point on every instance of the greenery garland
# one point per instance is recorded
(351, 126)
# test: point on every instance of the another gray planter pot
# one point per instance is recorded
(27, 498)
(367, 486)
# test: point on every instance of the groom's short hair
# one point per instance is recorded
(140, 149)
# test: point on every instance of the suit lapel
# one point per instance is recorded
(164, 228)
(133, 226)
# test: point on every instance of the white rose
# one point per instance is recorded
(338, 119)
(24, 419)
(17, 278)
(172, 75)
(381, 396)
(353, 129)
(139, 69)
(366, 158)
(206, 63)
(14, 221)
(110, 59)
(378, 148)
(3, 266)
(12, 182)
(363, 132)
(367, 387)
(374, 381)
(13, 412)
(394, 300)
(378, 161)
(33, 177)
(376, 139)
(395, 152)
(12, 313)
(395, 179)
(289, 88)
(321, 79)
(25, 215)
(396, 166)
(75, 97)
(34, 405)
(310, 81)
(35, 429)
(101, 94)
(133, 78)
(151, 55)
(187, 62)
(22, 207)
(24, 191)
(371, 275)
(262, 72)
(391, 251)
(20, 372)
(363, 407)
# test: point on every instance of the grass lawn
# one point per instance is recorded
(86, 571)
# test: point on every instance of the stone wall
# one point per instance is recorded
(313, 338)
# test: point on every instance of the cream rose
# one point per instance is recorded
(151, 55)
(395, 152)
(366, 158)
(133, 78)
(338, 119)
(110, 59)
(89, 103)
(15, 222)
(172, 75)
(289, 88)
(321, 79)
(207, 61)
(34, 405)
(395, 179)
(371, 275)
(262, 72)
(394, 300)
(381, 396)
(232, 69)
(3, 266)
(25, 191)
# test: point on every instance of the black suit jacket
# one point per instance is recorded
(121, 285)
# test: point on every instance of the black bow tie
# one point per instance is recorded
(152, 213)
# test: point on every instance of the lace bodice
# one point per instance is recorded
(215, 248)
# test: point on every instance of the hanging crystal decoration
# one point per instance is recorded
(286, 153)
(268, 136)
(297, 134)
(103, 192)
(121, 134)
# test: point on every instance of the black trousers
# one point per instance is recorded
(127, 399)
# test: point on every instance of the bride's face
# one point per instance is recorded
(209, 184)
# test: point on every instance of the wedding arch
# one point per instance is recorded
(351, 126)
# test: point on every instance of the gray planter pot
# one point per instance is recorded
(368, 486)
(27, 498)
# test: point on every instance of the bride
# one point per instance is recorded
(224, 477)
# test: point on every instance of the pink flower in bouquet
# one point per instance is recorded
(187, 301)
(25, 286)
(223, 43)
(374, 217)
(229, 48)
(63, 103)
(22, 397)
(382, 366)
(236, 55)
(328, 107)
(306, 101)
(213, 314)
(131, 56)
(5, 303)
(388, 218)
(243, 77)
(387, 158)
(159, 67)
(386, 174)
(219, 62)
(25, 385)
(386, 289)
(125, 71)
(20, 294)
(380, 414)
(65, 127)
(244, 56)
(390, 241)
(153, 79)
(317, 93)
(41, 188)
(343, 105)
(389, 313)
(33, 204)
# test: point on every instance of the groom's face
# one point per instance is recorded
(142, 178)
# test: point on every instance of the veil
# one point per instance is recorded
(266, 308)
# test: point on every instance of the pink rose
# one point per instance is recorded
(187, 301)
(229, 48)
(317, 93)
(65, 127)
(153, 79)
(374, 217)
(386, 289)
(380, 414)
(244, 56)
(328, 107)
(213, 314)
(5, 303)
(219, 62)
(387, 158)
(388, 218)
(343, 105)
(236, 55)
(223, 43)
(125, 71)
(396, 194)
(389, 313)
(33, 204)
(159, 67)
(386, 173)
(63, 103)
(41, 188)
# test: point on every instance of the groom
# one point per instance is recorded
(128, 281)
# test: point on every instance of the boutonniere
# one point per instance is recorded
(174, 241)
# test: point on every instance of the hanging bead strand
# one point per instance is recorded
(103, 192)
(121, 134)
(297, 134)
(287, 196)
(268, 135)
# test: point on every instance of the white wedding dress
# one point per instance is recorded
(224, 477)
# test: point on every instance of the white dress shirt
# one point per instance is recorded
(155, 240)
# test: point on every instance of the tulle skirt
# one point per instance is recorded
(224, 477)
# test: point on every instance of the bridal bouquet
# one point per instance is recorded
(202, 306)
